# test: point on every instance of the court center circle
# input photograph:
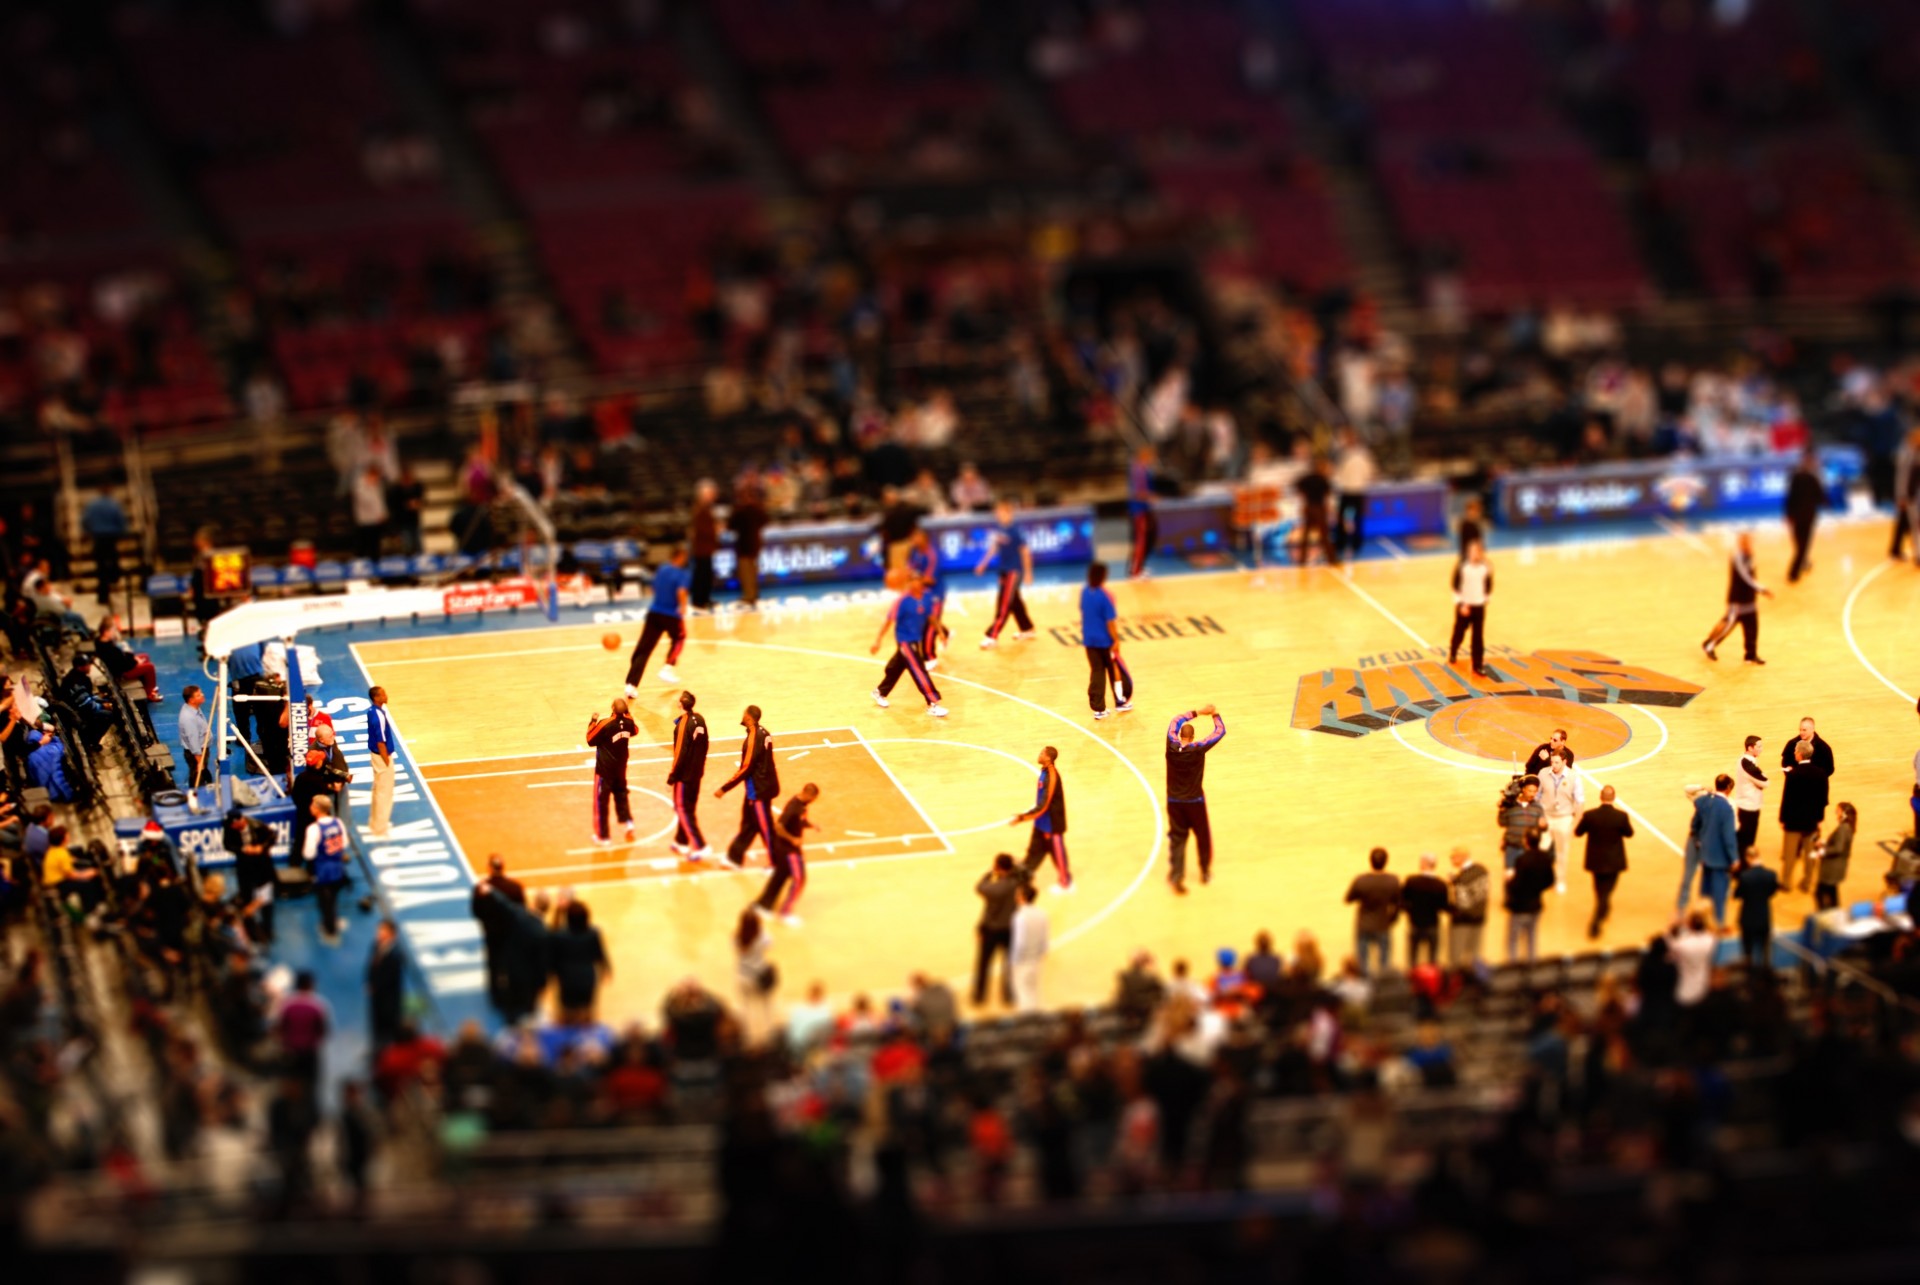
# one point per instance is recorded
(1506, 727)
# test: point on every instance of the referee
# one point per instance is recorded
(1472, 586)
(761, 776)
(1049, 817)
(1186, 799)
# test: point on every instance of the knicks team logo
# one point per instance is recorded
(1353, 702)
(1680, 492)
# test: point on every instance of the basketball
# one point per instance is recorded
(610, 641)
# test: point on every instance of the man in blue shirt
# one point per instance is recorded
(1097, 616)
(908, 616)
(666, 615)
(104, 522)
(925, 563)
(196, 738)
(1145, 527)
(382, 741)
(1013, 560)
(250, 718)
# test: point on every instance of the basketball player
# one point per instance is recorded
(683, 778)
(666, 615)
(1141, 521)
(1472, 586)
(1013, 560)
(789, 863)
(761, 775)
(610, 737)
(925, 563)
(1186, 799)
(1744, 591)
(908, 616)
(1097, 614)
(1049, 817)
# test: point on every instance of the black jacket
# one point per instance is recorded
(1819, 769)
(1607, 829)
(1001, 895)
(1806, 496)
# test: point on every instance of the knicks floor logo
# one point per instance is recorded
(1554, 685)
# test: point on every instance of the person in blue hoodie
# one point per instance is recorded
(47, 766)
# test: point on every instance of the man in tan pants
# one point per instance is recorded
(381, 741)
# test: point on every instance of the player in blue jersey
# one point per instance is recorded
(1049, 817)
(1009, 555)
(908, 617)
(925, 563)
(1142, 525)
(666, 616)
(1097, 617)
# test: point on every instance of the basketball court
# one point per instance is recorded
(1345, 729)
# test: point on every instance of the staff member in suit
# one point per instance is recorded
(610, 737)
(1806, 496)
(1142, 522)
(1757, 888)
(1713, 845)
(666, 617)
(1472, 586)
(386, 985)
(1097, 616)
(1049, 817)
(683, 778)
(1607, 829)
(925, 563)
(1012, 560)
(381, 742)
(908, 616)
(789, 861)
(999, 891)
(761, 777)
(1744, 592)
(494, 899)
(1186, 794)
(1803, 806)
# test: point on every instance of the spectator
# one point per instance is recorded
(1424, 896)
(1376, 895)
(1263, 967)
(1691, 944)
(747, 519)
(71, 883)
(47, 766)
(1468, 896)
(301, 1024)
(703, 541)
(580, 965)
(1756, 890)
(1527, 884)
(1029, 949)
(1138, 991)
(386, 985)
(1834, 855)
(369, 512)
(529, 956)
(406, 506)
(970, 492)
(754, 974)
(122, 664)
(497, 923)
(105, 522)
(999, 891)
(809, 1022)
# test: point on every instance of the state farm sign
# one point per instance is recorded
(464, 599)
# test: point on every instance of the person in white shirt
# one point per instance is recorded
(1692, 945)
(1748, 784)
(1472, 586)
(1029, 949)
(369, 512)
(1563, 800)
(1353, 474)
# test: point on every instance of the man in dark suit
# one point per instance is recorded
(496, 922)
(1713, 840)
(1757, 888)
(1607, 829)
(999, 891)
(1803, 799)
(386, 985)
(1806, 496)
